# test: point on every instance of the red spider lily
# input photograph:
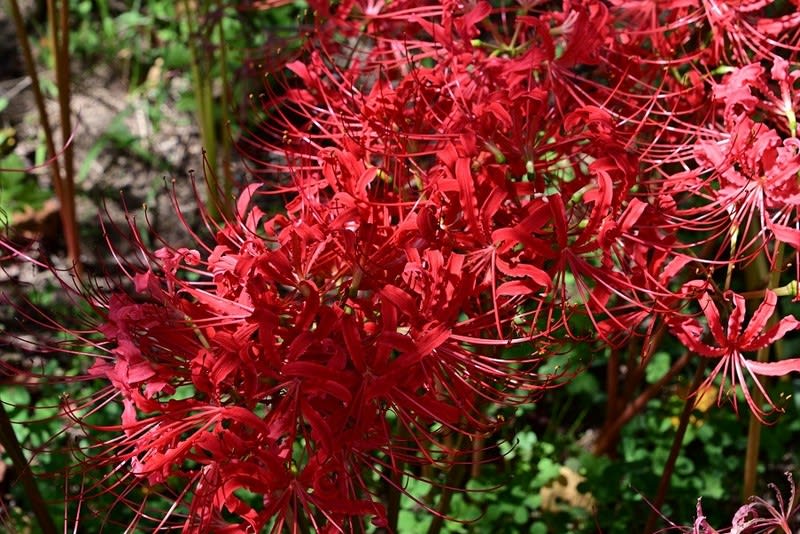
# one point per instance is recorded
(752, 187)
(484, 189)
(732, 342)
(459, 178)
(751, 517)
(287, 368)
(737, 31)
(736, 92)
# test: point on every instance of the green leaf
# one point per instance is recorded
(521, 515)
(713, 485)
(584, 384)
(132, 19)
(657, 367)
(15, 398)
(410, 522)
(547, 471)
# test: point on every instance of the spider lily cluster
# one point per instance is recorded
(459, 179)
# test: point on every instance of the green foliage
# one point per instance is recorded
(136, 35)
(18, 189)
(507, 496)
(9, 178)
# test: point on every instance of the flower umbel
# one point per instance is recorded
(733, 342)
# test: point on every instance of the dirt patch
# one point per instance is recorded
(131, 149)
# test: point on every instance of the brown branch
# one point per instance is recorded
(610, 432)
(677, 444)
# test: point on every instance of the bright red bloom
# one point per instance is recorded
(293, 363)
(752, 182)
(733, 342)
(459, 178)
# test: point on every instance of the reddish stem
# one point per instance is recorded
(677, 444)
(610, 433)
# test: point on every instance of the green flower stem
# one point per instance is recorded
(59, 33)
(227, 99)
(612, 386)
(393, 496)
(788, 290)
(620, 408)
(754, 425)
(637, 374)
(677, 443)
(201, 84)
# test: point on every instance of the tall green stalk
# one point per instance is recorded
(227, 148)
(219, 202)
(455, 479)
(754, 425)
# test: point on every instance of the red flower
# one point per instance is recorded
(757, 513)
(731, 344)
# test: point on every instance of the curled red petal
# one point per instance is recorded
(759, 320)
(712, 317)
(779, 368)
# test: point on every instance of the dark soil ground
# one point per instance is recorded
(130, 148)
